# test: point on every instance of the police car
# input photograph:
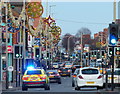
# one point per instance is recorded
(33, 78)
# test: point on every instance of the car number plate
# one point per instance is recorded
(33, 78)
(90, 82)
(63, 74)
(51, 76)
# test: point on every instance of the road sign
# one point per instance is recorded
(10, 49)
(10, 68)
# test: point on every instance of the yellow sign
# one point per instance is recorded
(98, 44)
(36, 46)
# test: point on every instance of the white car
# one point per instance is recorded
(116, 77)
(88, 77)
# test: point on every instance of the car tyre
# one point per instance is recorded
(47, 87)
(99, 88)
(59, 82)
(24, 88)
(77, 88)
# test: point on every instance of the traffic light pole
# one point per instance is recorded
(112, 60)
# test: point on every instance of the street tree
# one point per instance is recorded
(83, 31)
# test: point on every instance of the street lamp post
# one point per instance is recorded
(81, 50)
(50, 13)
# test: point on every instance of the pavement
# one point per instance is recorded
(0, 87)
(11, 87)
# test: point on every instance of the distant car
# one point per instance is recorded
(74, 67)
(54, 76)
(64, 72)
(33, 78)
(92, 64)
(55, 65)
(116, 77)
(88, 77)
(62, 65)
(68, 65)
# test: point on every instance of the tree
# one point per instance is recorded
(83, 31)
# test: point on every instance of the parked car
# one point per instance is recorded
(88, 77)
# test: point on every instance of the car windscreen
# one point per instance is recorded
(52, 73)
(68, 64)
(55, 64)
(77, 66)
(64, 69)
(34, 72)
(89, 71)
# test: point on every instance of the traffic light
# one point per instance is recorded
(113, 34)
(18, 51)
(110, 51)
(117, 51)
(92, 53)
(95, 53)
(87, 55)
(37, 53)
(103, 53)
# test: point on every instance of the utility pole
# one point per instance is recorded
(1, 41)
(112, 60)
(24, 37)
(81, 51)
(7, 74)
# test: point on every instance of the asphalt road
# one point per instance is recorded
(66, 86)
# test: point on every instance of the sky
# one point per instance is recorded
(72, 16)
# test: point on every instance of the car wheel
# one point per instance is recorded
(47, 87)
(24, 88)
(59, 82)
(73, 85)
(104, 85)
(99, 88)
(77, 88)
(109, 86)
